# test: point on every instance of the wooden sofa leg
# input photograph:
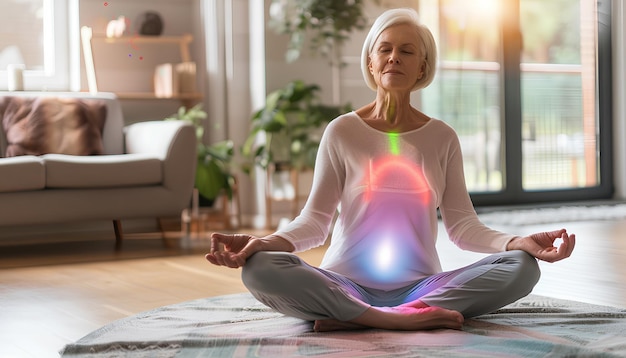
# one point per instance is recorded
(117, 226)
(161, 227)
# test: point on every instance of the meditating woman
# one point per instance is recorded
(387, 168)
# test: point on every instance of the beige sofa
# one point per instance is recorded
(146, 170)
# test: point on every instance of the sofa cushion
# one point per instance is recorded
(22, 173)
(70, 171)
(43, 125)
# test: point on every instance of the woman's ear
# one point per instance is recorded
(422, 71)
(369, 64)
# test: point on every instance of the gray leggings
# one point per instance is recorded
(289, 285)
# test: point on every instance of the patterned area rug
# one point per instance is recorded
(239, 326)
(554, 214)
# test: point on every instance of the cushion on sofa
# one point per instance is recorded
(103, 171)
(22, 173)
(40, 125)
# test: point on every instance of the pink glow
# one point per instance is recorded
(391, 170)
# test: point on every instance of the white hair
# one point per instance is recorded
(394, 17)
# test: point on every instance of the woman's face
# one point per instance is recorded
(396, 61)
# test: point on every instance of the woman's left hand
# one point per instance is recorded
(541, 245)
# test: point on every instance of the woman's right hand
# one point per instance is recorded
(233, 250)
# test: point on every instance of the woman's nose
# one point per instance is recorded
(393, 59)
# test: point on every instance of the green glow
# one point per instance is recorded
(394, 145)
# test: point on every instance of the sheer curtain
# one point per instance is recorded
(619, 93)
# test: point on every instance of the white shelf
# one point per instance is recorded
(88, 37)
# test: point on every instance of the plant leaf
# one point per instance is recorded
(209, 180)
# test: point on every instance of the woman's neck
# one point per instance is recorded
(392, 113)
(392, 108)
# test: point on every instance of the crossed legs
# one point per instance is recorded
(287, 284)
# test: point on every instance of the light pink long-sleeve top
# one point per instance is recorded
(387, 188)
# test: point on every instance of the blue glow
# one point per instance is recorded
(384, 255)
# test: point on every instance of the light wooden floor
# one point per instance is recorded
(53, 294)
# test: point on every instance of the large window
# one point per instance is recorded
(34, 33)
(526, 84)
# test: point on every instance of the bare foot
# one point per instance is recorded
(403, 317)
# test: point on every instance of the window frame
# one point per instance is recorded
(56, 74)
(513, 192)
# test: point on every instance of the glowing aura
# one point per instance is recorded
(397, 197)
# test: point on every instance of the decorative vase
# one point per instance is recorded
(149, 23)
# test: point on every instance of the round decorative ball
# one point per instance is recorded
(149, 23)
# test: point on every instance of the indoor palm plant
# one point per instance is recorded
(213, 172)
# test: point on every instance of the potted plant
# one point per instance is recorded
(327, 22)
(213, 172)
(292, 121)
